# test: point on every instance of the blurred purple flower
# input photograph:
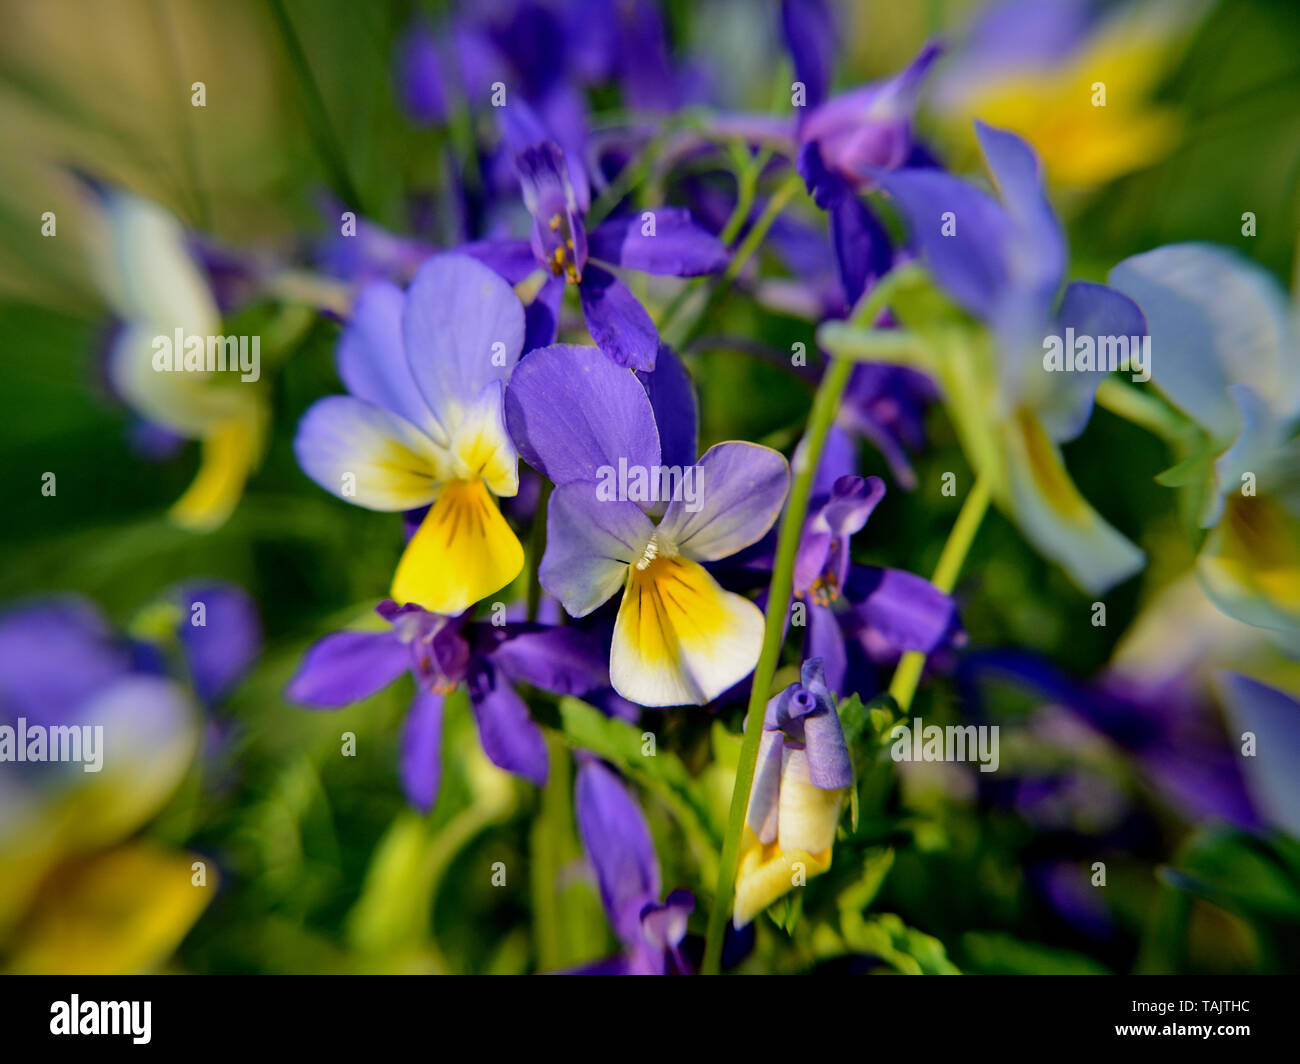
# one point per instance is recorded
(444, 653)
(617, 840)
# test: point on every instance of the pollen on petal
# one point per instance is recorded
(463, 551)
(680, 639)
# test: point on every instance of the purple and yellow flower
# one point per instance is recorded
(423, 426)
(78, 893)
(858, 614)
(664, 241)
(1233, 367)
(1076, 83)
(153, 283)
(443, 654)
(800, 784)
(617, 840)
(583, 422)
(1002, 261)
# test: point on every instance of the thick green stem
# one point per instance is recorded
(908, 673)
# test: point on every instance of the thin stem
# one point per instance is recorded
(825, 404)
(1141, 408)
(908, 673)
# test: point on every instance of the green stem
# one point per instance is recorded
(908, 673)
(1142, 408)
(825, 405)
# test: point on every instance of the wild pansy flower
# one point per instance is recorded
(664, 241)
(617, 840)
(841, 140)
(1075, 83)
(802, 779)
(442, 654)
(151, 280)
(426, 370)
(1002, 261)
(579, 419)
(1233, 367)
(76, 895)
(857, 614)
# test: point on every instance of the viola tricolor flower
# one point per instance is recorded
(144, 266)
(842, 140)
(664, 241)
(617, 840)
(1002, 261)
(1036, 69)
(1234, 369)
(423, 425)
(444, 653)
(800, 784)
(859, 613)
(679, 637)
(66, 827)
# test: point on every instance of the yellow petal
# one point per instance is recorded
(462, 552)
(119, 913)
(1250, 563)
(229, 453)
(1054, 517)
(679, 638)
(767, 873)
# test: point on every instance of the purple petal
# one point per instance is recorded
(419, 76)
(542, 315)
(1036, 260)
(810, 35)
(421, 750)
(829, 764)
(765, 794)
(571, 411)
(222, 650)
(463, 328)
(824, 548)
(672, 397)
(372, 361)
(740, 490)
(55, 654)
(1090, 310)
(617, 321)
(862, 250)
(348, 666)
(903, 610)
(617, 840)
(676, 247)
(1274, 718)
(512, 259)
(970, 264)
(510, 737)
(589, 545)
(826, 641)
(564, 661)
